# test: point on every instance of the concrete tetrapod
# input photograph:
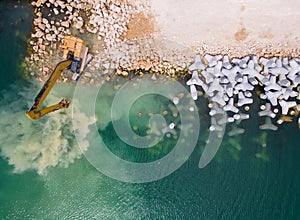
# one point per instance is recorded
(268, 125)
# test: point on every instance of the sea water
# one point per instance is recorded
(44, 174)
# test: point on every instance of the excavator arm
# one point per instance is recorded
(35, 112)
(75, 53)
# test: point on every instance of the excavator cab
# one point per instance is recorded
(77, 50)
(76, 58)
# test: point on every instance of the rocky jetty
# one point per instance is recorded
(230, 83)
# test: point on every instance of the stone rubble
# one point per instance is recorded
(106, 21)
(155, 56)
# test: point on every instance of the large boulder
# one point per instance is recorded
(65, 24)
(79, 24)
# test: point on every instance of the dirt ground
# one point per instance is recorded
(229, 26)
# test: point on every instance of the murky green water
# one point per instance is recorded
(244, 180)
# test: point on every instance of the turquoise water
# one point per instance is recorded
(244, 180)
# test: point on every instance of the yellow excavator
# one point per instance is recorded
(76, 58)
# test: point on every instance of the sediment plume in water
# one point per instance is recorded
(37, 145)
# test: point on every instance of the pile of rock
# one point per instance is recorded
(108, 19)
(229, 84)
(55, 19)
(146, 55)
(254, 47)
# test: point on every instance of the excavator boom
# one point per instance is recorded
(35, 112)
